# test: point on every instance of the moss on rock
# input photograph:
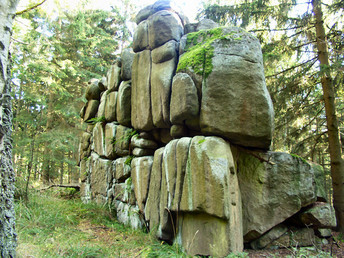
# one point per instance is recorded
(199, 50)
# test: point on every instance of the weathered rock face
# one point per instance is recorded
(320, 215)
(274, 191)
(235, 101)
(141, 109)
(184, 99)
(167, 145)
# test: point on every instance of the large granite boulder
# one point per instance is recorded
(127, 58)
(140, 174)
(93, 91)
(122, 169)
(161, 82)
(164, 26)
(189, 177)
(184, 100)
(110, 106)
(114, 77)
(91, 110)
(235, 101)
(320, 215)
(99, 170)
(98, 144)
(141, 109)
(274, 186)
(123, 108)
(110, 136)
(152, 208)
(140, 41)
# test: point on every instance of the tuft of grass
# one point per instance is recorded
(49, 225)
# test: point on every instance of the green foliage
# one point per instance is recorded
(95, 120)
(299, 158)
(57, 56)
(201, 141)
(128, 160)
(126, 138)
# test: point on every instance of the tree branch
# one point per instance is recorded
(293, 67)
(30, 8)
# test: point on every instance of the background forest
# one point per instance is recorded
(59, 46)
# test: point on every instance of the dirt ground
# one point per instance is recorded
(334, 248)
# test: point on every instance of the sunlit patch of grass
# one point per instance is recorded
(51, 226)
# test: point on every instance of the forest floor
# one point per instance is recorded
(56, 224)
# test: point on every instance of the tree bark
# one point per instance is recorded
(337, 164)
(8, 237)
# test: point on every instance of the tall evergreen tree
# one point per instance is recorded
(54, 60)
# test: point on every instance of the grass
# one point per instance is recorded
(49, 225)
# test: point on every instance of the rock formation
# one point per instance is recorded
(178, 137)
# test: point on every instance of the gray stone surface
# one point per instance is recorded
(152, 208)
(184, 100)
(110, 106)
(178, 131)
(127, 58)
(269, 237)
(140, 174)
(137, 141)
(272, 192)
(122, 140)
(122, 168)
(110, 136)
(320, 215)
(140, 41)
(164, 26)
(165, 52)
(141, 110)
(128, 215)
(235, 101)
(99, 170)
(206, 24)
(320, 182)
(113, 77)
(93, 91)
(139, 152)
(123, 108)
(99, 139)
(91, 109)
(161, 83)
(101, 108)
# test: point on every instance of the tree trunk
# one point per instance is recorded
(29, 166)
(337, 164)
(47, 152)
(61, 173)
(7, 231)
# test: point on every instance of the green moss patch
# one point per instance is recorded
(199, 50)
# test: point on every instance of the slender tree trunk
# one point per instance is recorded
(29, 167)
(47, 152)
(61, 173)
(337, 164)
(8, 237)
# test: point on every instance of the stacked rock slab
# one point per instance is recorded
(177, 140)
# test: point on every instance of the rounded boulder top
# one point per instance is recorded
(160, 5)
